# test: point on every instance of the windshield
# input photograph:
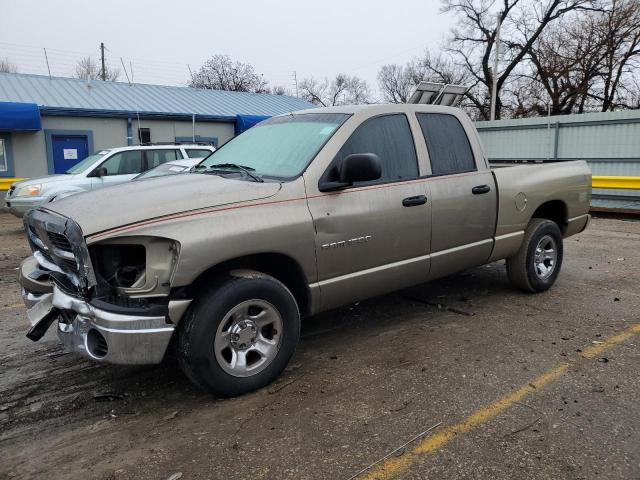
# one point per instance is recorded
(280, 147)
(87, 162)
(161, 170)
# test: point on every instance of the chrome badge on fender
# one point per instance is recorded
(346, 243)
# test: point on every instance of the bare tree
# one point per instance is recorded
(220, 72)
(473, 40)
(565, 66)
(619, 31)
(6, 66)
(342, 90)
(395, 84)
(279, 90)
(585, 62)
(88, 69)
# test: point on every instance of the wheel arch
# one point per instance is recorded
(554, 210)
(280, 266)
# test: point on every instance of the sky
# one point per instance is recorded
(159, 39)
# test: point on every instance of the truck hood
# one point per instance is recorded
(133, 202)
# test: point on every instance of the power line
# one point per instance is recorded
(29, 59)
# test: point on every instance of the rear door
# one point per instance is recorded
(463, 196)
(373, 237)
(157, 156)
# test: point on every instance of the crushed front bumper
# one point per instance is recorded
(101, 335)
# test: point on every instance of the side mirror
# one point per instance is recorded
(99, 172)
(357, 167)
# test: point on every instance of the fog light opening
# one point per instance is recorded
(96, 344)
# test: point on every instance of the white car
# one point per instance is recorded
(102, 169)
(170, 168)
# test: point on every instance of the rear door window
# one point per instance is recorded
(157, 157)
(447, 142)
(389, 137)
(197, 153)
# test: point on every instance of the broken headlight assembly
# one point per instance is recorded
(134, 267)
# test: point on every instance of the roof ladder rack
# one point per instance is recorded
(431, 93)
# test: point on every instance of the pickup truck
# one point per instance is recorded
(302, 213)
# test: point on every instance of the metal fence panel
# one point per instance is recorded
(609, 142)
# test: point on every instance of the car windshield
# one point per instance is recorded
(162, 170)
(87, 162)
(280, 147)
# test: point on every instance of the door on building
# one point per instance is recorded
(68, 150)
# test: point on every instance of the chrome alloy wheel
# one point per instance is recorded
(545, 257)
(248, 338)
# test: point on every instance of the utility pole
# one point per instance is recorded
(104, 72)
(295, 81)
(494, 72)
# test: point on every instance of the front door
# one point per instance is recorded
(373, 237)
(120, 167)
(68, 150)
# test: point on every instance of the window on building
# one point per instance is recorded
(197, 153)
(390, 138)
(447, 142)
(124, 163)
(158, 157)
(4, 161)
(144, 135)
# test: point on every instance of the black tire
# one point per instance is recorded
(521, 268)
(198, 329)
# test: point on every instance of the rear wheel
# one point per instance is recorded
(537, 264)
(239, 335)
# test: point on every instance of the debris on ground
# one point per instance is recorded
(171, 415)
(107, 397)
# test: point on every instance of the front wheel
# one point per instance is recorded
(239, 335)
(536, 266)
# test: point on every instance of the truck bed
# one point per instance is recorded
(524, 188)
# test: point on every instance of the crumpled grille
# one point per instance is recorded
(60, 241)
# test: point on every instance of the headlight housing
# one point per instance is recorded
(29, 191)
(134, 266)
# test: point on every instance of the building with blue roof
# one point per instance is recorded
(37, 112)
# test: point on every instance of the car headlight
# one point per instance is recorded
(29, 191)
(134, 266)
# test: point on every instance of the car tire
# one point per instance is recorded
(239, 334)
(537, 264)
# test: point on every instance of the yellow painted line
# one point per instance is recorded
(593, 351)
(624, 183)
(5, 183)
(394, 466)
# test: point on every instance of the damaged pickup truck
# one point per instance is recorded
(300, 214)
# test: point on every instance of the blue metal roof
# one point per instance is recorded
(72, 96)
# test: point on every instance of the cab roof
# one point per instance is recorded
(374, 109)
